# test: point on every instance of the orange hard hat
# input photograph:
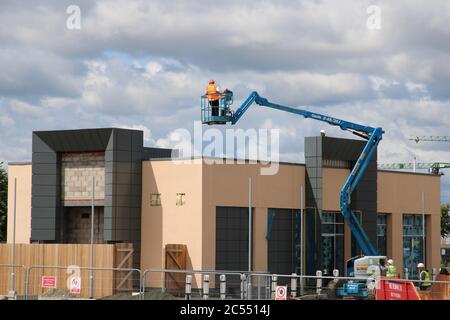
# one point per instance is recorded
(211, 81)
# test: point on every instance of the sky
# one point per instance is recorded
(144, 64)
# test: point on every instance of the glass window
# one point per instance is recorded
(155, 199)
(181, 199)
(413, 242)
(382, 233)
(332, 242)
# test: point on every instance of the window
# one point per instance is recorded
(181, 199)
(413, 242)
(332, 242)
(332, 163)
(283, 242)
(382, 233)
(155, 199)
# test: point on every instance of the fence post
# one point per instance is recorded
(319, 282)
(294, 285)
(406, 273)
(223, 287)
(142, 285)
(433, 274)
(188, 286)
(243, 278)
(273, 287)
(249, 287)
(206, 286)
(335, 274)
(27, 277)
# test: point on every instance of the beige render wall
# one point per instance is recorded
(23, 203)
(398, 193)
(169, 223)
(227, 185)
(207, 186)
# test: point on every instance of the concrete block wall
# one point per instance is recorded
(77, 170)
(78, 225)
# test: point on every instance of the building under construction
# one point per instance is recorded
(144, 197)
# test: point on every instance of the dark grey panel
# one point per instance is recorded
(44, 180)
(43, 202)
(76, 140)
(44, 157)
(44, 223)
(43, 213)
(44, 168)
(123, 140)
(280, 246)
(39, 145)
(43, 235)
(42, 190)
(149, 153)
(231, 238)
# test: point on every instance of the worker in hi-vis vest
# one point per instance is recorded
(391, 269)
(424, 275)
(213, 93)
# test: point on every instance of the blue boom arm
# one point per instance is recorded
(373, 137)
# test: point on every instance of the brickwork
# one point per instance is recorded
(77, 170)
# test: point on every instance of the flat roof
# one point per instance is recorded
(21, 163)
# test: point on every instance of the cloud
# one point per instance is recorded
(144, 64)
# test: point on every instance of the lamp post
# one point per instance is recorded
(250, 224)
(13, 275)
(91, 271)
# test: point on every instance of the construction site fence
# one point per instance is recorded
(39, 282)
(72, 282)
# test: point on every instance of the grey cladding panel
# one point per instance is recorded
(43, 202)
(39, 145)
(40, 234)
(44, 157)
(44, 168)
(123, 140)
(43, 223)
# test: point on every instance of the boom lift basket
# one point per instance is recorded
(220, 114)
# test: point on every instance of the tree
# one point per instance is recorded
(3, 202)
(445, 221)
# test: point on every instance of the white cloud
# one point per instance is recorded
(144, 64)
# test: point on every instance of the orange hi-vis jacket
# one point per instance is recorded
(212, 92)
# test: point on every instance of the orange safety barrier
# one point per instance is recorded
(391, 289)
(438, 291)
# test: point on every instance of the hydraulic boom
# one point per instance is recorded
(372, 135)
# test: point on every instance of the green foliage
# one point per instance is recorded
(3, 202)
(445, 220)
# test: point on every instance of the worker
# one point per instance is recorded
(391, 269)
(443, 270)
(213, 93)
(383, 268)
(424, 275)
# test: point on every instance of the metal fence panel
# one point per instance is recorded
(73, 282)
(12, 279)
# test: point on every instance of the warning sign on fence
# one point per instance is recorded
(75, 285)
(281, 293)
(48, 282)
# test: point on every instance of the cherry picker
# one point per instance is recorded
(357, 266)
